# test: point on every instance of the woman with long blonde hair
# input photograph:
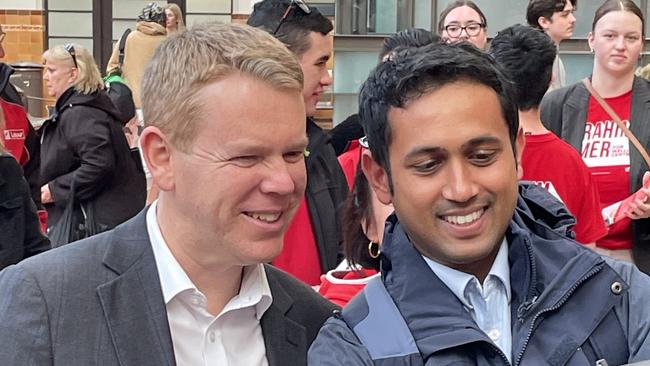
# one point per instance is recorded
(84, 153)
(174, 21)
(616, 41)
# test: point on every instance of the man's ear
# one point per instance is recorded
(377, 177)
(544, 23)
(157, 154)
(520, 143)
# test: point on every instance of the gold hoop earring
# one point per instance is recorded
(372, 251)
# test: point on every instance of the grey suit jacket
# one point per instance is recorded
(564, 111)
(99, 302)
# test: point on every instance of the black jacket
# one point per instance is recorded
(564, 112)
(326, 190)
(20, 230)
(83, 141)
(31, 170)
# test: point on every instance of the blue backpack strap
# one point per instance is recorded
(376, 321)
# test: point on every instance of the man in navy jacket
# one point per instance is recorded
(476, 269)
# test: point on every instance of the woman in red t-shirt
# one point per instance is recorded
(616, 40)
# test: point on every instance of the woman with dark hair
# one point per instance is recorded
(463, 21)
(616, 40)
(364, 216)
(84, 150)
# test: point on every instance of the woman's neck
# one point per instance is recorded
(608, 85)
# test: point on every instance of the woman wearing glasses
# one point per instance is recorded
(463, 21)
(83, 145)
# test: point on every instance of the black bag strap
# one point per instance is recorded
(123, 45)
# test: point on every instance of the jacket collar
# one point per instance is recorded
(546, 272)
(133, 300)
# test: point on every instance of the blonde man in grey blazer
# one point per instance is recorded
(184, 282)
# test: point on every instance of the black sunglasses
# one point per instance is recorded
(294, 3)
(70, 48)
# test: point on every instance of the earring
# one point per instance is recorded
(373, 250)
(591, 50)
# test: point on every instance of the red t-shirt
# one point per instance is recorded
(341, 286)
(299, 255)
(555, 165)
(606, 151)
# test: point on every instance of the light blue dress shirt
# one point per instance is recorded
(489, 303)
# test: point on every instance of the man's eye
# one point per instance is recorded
(428, 166)
(632, 38)
(294, 156)
(483, 158)
(453, 28)
(473, 27)
(245, 160)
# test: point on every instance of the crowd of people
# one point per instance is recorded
(476, 210)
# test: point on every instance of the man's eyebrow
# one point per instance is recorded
(435, 150)
(481, 140)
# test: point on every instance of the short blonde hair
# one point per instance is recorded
(188, 61)
(89, 79)
(180, 25)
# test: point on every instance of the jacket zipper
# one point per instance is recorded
(566, 296)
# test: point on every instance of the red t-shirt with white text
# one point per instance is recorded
(555, 165)
(606, 151)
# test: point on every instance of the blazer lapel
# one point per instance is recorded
(574, 116)
(640, 127)
(133, 304)
(284, 338)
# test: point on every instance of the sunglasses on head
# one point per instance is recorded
(300, 4)
(70, 49)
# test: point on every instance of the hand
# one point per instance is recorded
(46, 196)
(640, 206)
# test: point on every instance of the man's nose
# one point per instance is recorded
(460, 185)
(281, 178)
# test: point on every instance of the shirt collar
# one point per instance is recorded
(456, 280)
(254, 289)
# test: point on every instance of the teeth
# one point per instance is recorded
(462, 220)
(268, 217)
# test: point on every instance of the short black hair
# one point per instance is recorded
(527, 55)
(546, 9)
(411, 37)
(412, 72)
(296, 27)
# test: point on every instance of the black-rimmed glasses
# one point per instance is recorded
(472, 29)
(70, 49)
(294, 3)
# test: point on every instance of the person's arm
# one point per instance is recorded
(24, 324)
(337, 345)
(35, 242)
(89, 136)
(551, 110)
(640, 206)
(114, 61)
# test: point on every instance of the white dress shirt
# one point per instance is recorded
(234, 336)
(489, 304)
